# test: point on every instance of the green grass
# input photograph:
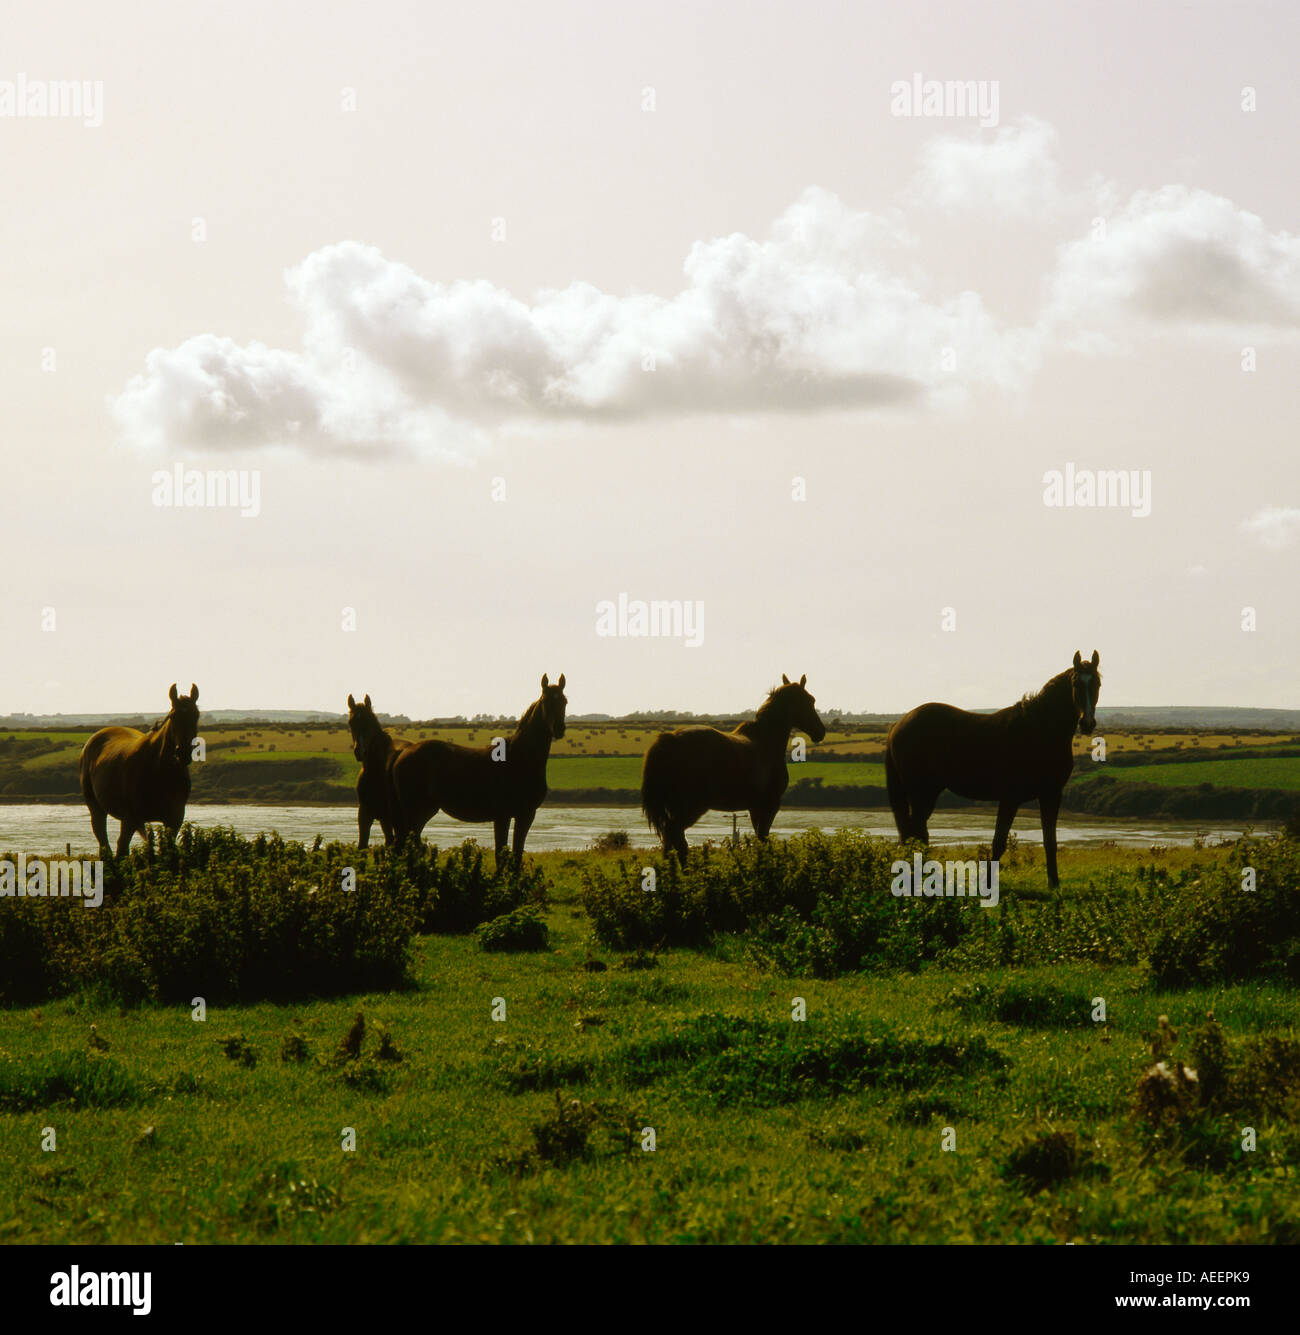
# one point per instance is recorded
(766, 1128)
(1272, 772)
(625, 772)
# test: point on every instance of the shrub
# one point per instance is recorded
(812, 904)
(459, 893)
(520, 929)
(822, 906)
(1195, 1112)
(211, 914)
(1227, 934)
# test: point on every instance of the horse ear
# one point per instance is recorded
(194, 691)
(545, 680)
(352, 704)
(172, 693)
(367, 700)
(785, 681)
(1096, 658)
(1078, 658)
(560, 683)
(803, 681)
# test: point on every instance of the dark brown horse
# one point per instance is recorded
(693, 770)
(376, 751)
(499, 783)
(1020, 753)
(136, 777)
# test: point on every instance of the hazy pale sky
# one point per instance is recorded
(514, 309)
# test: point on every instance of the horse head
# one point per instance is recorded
(1085, 685)
(363, 725)
(183, 721)
(553, 702)
(800, 707)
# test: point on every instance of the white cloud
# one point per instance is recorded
(1013, 175)
(1185, 258)
(828, 311)
(812, 317)
(1276, 526)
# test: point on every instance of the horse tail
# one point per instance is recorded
(897, 793)
(654, 783)
(84, 766)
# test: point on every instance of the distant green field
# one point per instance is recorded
(1281, 772)
(268, 763)
(625, 772)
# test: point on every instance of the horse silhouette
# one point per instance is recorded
(376, 750)
(1014, 756)
(137, 777)
(693, 770)
(501, 782)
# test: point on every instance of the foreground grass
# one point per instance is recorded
(175, 1135)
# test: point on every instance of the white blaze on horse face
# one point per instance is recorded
(1089, 689)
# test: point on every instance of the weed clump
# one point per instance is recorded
(520, 929)
(1048, 1157)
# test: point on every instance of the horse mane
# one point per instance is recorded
(1032, 702)
(772, 693)
(527, 717)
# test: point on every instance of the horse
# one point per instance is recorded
(689, 771)
(1011, 757)
(136, 777)
(376, 751)
(501, 782)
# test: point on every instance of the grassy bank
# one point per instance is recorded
(831, 1128)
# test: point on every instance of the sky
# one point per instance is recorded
(507, 314)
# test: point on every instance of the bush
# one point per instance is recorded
(459, 893)
(520, 929)
(1195, 1111)
(812, 904)
(211, 914)
(1227, 934)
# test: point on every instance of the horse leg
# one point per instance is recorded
(761, 820)
(98, 822)
(678, 833)
(523, 823)
(1049, 805)
(128, 829)
(501, 828)
(1006, 814)
(897, 799)
(922, 805)
(365, 819)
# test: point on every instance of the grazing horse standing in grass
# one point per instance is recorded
(376, 751)
(136, 777)
(693, 770)
(1020, 753)
(499, 783)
